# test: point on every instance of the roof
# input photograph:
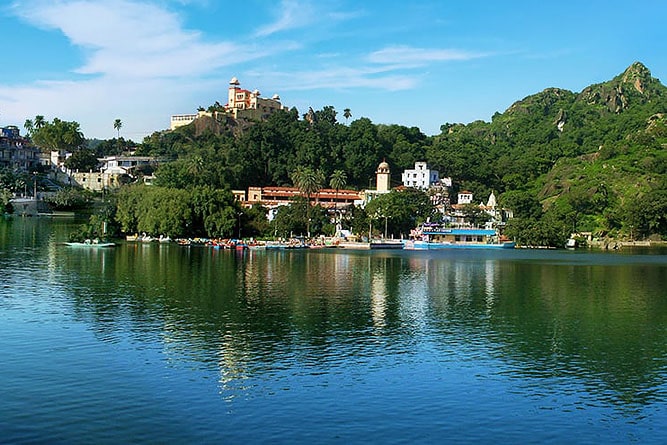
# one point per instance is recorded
(441, 231)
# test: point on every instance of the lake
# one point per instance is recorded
(168, 344)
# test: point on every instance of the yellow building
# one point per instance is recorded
(241, 103)
(250, 104)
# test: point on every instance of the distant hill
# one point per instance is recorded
(605, 145)
(570, 161)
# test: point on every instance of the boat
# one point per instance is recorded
(571, 243)
(146, 238)
(90, 244)
(293, 243)
(164, 239)
(132, 238)
(434, 237)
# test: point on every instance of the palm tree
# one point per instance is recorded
(29, 126)
(347, 114)
(338, 181)
(117, 125)
(308, 181)
(39, 122)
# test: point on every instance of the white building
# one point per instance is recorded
(465, 197)
(421, 177)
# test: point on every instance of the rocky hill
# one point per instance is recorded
(588, 155)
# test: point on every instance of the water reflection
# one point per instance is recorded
(550, 320)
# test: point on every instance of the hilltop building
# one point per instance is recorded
(241, 103)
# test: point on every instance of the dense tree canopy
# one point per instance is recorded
(57, 135)
(562, 161)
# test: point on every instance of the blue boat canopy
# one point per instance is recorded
(483, 232)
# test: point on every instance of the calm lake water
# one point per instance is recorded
(166, 344)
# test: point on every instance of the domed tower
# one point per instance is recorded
(383, 177)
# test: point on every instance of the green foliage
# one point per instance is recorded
(580, 156)
(474, 215)
(57, 135)
(254, 222)
(70, 198)
(300, 219)
(13, 181)
(196, 211)
(400, 211)
(82, 160)
(5, 205)
(647, 214)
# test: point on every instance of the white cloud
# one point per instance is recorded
(141, 66)
(140, 63)
(341, 77)
(292, 14)
(129, 39)
(407, 56)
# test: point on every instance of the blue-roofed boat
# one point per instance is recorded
(433, 237)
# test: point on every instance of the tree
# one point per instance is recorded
(347, 114)
(69, 198)
(82, 160)
(474, 215)
(5, 198)
(308, 181)
(401, 210)
(117, 125)
(29, 126)
(39, 122)
(57, 135)
(299, 216)
(338, 181)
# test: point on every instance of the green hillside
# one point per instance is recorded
(592, 161)
(595, 160)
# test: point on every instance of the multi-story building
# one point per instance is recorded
(421, 177)
(247, 104)
(114, 172)
(275, 196)
(241, 103)
(17, 152)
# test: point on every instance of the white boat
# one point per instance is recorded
(434, 237)
(90, 244)
(164, 239)
(571, 243)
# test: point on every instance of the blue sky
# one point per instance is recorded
(414, 63)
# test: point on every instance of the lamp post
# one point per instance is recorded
(239, 219)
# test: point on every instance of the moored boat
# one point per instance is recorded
(434, 237)
(90, 244)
